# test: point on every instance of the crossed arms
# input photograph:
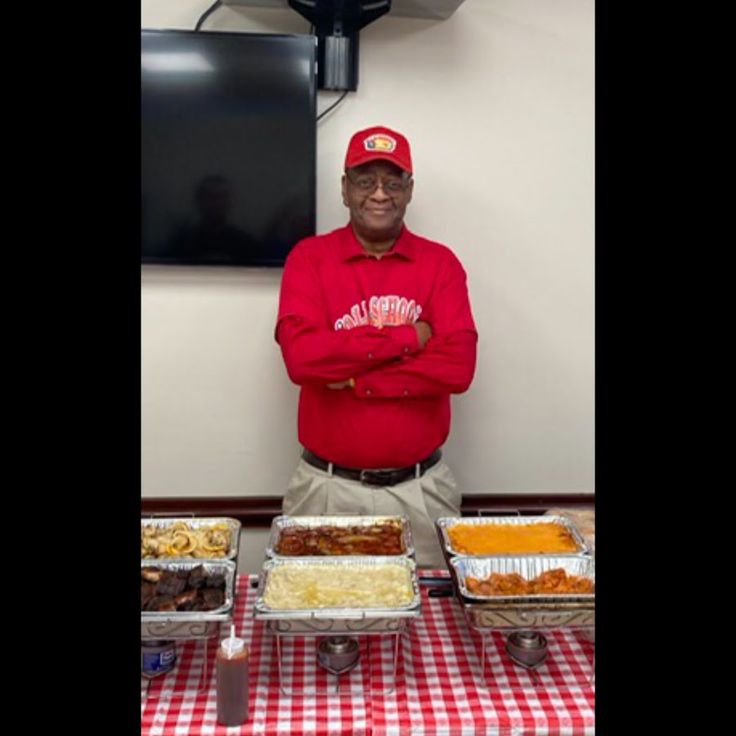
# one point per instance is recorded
(432, 357)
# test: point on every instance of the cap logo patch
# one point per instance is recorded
(379, 142)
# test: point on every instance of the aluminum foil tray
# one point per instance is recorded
(189, 618)
(334, 619)
(195, 523)
(445, 522)
(283, 522)
(528, 567)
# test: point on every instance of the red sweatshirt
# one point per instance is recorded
(346, 314)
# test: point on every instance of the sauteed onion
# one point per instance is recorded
(180, 539)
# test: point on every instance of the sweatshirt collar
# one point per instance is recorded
(352, 248)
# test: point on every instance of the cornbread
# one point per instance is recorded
(485, 539)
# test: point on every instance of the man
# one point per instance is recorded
(375, 326)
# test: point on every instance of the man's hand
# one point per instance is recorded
(424, 332)
(342, 384)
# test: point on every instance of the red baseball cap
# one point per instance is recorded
(378, 143)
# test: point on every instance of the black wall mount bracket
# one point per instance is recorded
(337, 24)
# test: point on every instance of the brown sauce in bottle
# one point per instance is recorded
(232, 682)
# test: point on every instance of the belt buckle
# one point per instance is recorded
(374, 477)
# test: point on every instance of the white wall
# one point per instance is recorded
(497, 102)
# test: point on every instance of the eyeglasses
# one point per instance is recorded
(368, 184)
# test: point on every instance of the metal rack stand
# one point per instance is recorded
(331, 627)
(337, 621)
(182, 632)
(485, 620)
(535, 674)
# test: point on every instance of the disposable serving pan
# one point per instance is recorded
(446, 522)
(189, 624)
(196, 523)
(280, 523)
(528, 567)
(338, 619)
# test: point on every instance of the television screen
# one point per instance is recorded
(228, 146)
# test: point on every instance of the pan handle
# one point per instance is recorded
(437, 592)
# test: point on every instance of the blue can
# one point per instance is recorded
(157, 657)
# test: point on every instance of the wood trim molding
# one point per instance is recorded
(258, 511)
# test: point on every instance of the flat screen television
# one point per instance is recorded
(228, 146)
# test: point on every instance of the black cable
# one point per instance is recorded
(333, 105)
(207, 13)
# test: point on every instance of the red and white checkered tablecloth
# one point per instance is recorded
(436, 687)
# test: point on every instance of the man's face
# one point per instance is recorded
(377, 211)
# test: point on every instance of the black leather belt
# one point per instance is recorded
(374, 476)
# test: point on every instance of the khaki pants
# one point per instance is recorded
(314, 492)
